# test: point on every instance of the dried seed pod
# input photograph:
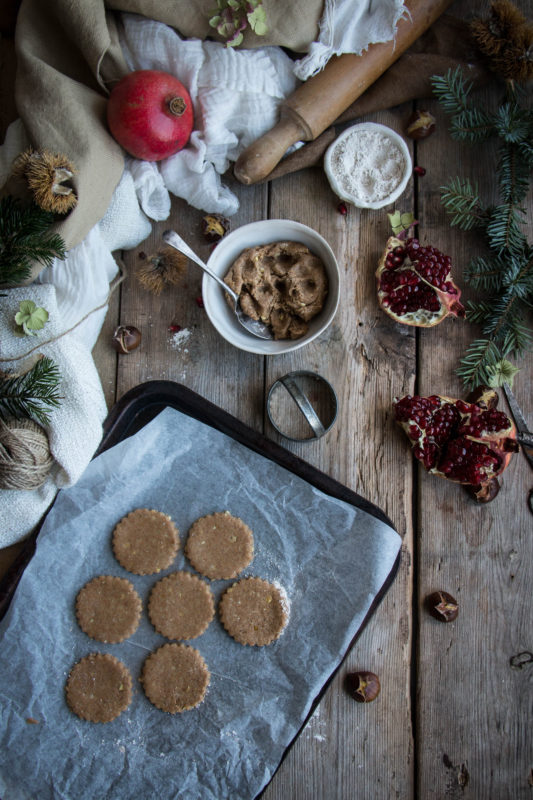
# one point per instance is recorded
(442, 606)
(363, 686)
(126, 338)
(47, 175)
(167, 266)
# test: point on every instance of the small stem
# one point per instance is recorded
(176, 106)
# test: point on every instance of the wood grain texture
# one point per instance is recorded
(367, 360)
(453, 719)
(474, 710)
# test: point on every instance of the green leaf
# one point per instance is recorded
(215, 21)
(257, 20)
(501, 372)
(235, 41)
(30, 317)
(401, 222)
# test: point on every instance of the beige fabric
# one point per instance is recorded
(68, 57)
(291, 23)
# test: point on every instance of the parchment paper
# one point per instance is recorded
(331, 558)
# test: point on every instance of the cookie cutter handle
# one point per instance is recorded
(304, 405)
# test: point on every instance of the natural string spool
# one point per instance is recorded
(25, 458)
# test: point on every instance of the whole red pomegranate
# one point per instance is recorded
(415, 284)
(150, 114)
(467, 443)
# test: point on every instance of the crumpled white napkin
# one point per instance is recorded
(349, 27)
(236, 95)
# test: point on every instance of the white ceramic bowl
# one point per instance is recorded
(258, 233)
(335, 180)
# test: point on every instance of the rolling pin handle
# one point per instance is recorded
(261, 156)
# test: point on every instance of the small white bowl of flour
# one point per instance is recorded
(368, 165)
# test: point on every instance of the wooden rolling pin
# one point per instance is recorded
(322, 98)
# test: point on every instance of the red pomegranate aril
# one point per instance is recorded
(414, 285)
(457, 440)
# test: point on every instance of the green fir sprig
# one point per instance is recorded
(505, 272)
(33, 394)
(25, 237)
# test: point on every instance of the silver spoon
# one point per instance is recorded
(254, 326)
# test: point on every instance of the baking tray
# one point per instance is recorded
(142, 404)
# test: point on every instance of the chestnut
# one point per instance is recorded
(214, 227)
(126, 338)
(442, 606)
(484, 492)
(363, 686)
(420, 124)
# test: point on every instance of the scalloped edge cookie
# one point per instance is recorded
(181, 606)
(254, 611)
(175, 678)
(219, 546)
(98, 688)
(145, 541)
(108, 609)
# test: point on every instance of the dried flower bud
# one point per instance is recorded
(420, 125)
(126, 338)
(214, 227)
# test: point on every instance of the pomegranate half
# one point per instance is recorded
(463, 442)
(415, 285)
(150, 113)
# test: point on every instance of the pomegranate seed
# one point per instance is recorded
(199, 301)
(342, 208)
(174, 328)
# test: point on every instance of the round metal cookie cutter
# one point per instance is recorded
(302, 406)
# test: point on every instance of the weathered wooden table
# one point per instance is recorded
(454, 718)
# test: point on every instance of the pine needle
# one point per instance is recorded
(33, 394)
(25, 237)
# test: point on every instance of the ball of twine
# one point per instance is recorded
(25, 458)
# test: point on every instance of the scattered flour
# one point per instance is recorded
(178, 339)
(368, 165)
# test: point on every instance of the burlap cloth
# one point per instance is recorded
(68, 57)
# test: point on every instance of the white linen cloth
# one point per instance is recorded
(236, 96)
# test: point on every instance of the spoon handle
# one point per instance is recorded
(172, 238)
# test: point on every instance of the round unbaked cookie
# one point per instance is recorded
(219, 545)
(145, 541)
(108, 609)
(175, 678)
(98, 687)
(181, 606)
(254, 611)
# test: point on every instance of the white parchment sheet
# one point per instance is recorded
(331, 558)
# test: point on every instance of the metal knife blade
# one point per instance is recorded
(525, 437)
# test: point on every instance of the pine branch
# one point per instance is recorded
(25, 237)
(485, 273)
(513, 175)
(503, 229)
(471, 125)
(481, 355)
(452, 90)
(31, 395)
(478, 312)
(462, 200)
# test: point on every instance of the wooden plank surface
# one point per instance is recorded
(453, 718)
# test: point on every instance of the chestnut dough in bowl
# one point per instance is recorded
(262, 233)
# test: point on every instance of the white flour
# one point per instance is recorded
(178, 339)
(368, 165)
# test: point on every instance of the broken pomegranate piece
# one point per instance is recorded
(415, 285)
(460, 441)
